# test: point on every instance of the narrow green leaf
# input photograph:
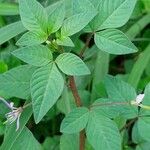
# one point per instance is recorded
(31, 38)
(70, 64)
(33, 16)
(139, 67)
(114, 41)
(56, 15)
(38, 55)
(9, 9)
(138, 26)
(16, 82)
(10, 31)
(76, 23)
(102, 133)
(46, 87)
(112, 14)
(75, 121)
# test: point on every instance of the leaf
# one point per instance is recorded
(143, 127)
(65, 41)
(112, 14)
(75, 121)
(76, 23)
(31, 38)
(83, 6)
(38, 55)
(10, 135)
(120, 91)
(70, 64)
(56, 15)
(46, 87)
(114, 41)
(33, 16)
(139, 67)
(10, 31)
(8, 9)
(16, 82)
(69, 142)
(102, 133)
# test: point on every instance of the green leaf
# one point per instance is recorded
(9, 9)
(69, 142)
(46, 87)
(102, 133)
(120, 91)
(16, 82)
(114, 41)
(70, 64)
(143, 127)
(38, 55)
(11, 136)
(75, 121)
(139, 67)
(31, 38)
(56, 15)
(112, 14)
(65, 41)
(33, 16)
(10, 31)
(76, 23)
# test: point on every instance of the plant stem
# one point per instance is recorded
(86, 45)
(76, 94)
(75, 91)
(78, 104)
(129, 124)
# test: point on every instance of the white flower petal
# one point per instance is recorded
(139, 98)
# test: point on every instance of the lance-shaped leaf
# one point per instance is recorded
(75, 121)
(56, 15)
(38, 55)
(76, 23)
(71, 64)
(31, 38)
(16, 82)
(33, 15)
(112, 14)
(10, 31)
(46, 86)
(114, 42)
(102, 133)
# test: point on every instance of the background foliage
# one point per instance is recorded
(56, 55)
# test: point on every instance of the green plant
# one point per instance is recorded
(49, 72)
